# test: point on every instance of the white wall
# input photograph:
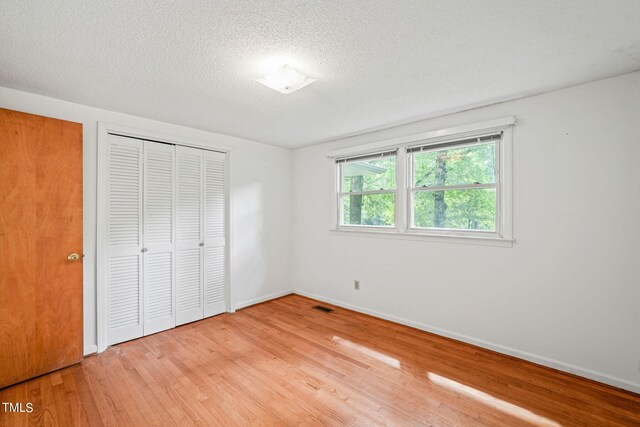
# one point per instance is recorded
(260, 201)
(567, 294)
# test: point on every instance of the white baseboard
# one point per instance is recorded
(540, 360)
(263, 299)
(90, 349)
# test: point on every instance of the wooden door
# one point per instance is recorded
(40, 225)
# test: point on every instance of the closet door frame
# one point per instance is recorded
(104, 129)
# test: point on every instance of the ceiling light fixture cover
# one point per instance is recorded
(286, 79)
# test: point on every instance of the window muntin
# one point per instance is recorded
(367, 193)
(454, 186)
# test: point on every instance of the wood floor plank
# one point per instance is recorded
(419, 405)
(284, 363)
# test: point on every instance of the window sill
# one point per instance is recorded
(393, 234)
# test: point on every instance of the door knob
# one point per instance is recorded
(73, 257)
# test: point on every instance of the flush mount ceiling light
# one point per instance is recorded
(285, 79)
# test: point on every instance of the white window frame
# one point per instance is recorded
(411, 190)
(502, 236)
(341, 194)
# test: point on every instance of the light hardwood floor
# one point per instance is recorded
(284, 363)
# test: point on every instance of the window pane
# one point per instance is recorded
(369, 209)
(472, 209)
(455, 166)
(368, 175)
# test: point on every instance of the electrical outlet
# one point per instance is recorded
(356, 285)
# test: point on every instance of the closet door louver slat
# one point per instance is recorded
(124, 238)
(159, 235)
(214, 233)
(190, 302)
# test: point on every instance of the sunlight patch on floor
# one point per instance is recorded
(493, 402)
(380, 357)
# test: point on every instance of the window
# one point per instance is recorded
(447, 183)
(454, 185)
(367, 193)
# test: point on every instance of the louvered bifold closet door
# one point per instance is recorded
(124, 238)
(159, 237)
(214, 233)
(189, 294)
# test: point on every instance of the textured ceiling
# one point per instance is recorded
(378, 63)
